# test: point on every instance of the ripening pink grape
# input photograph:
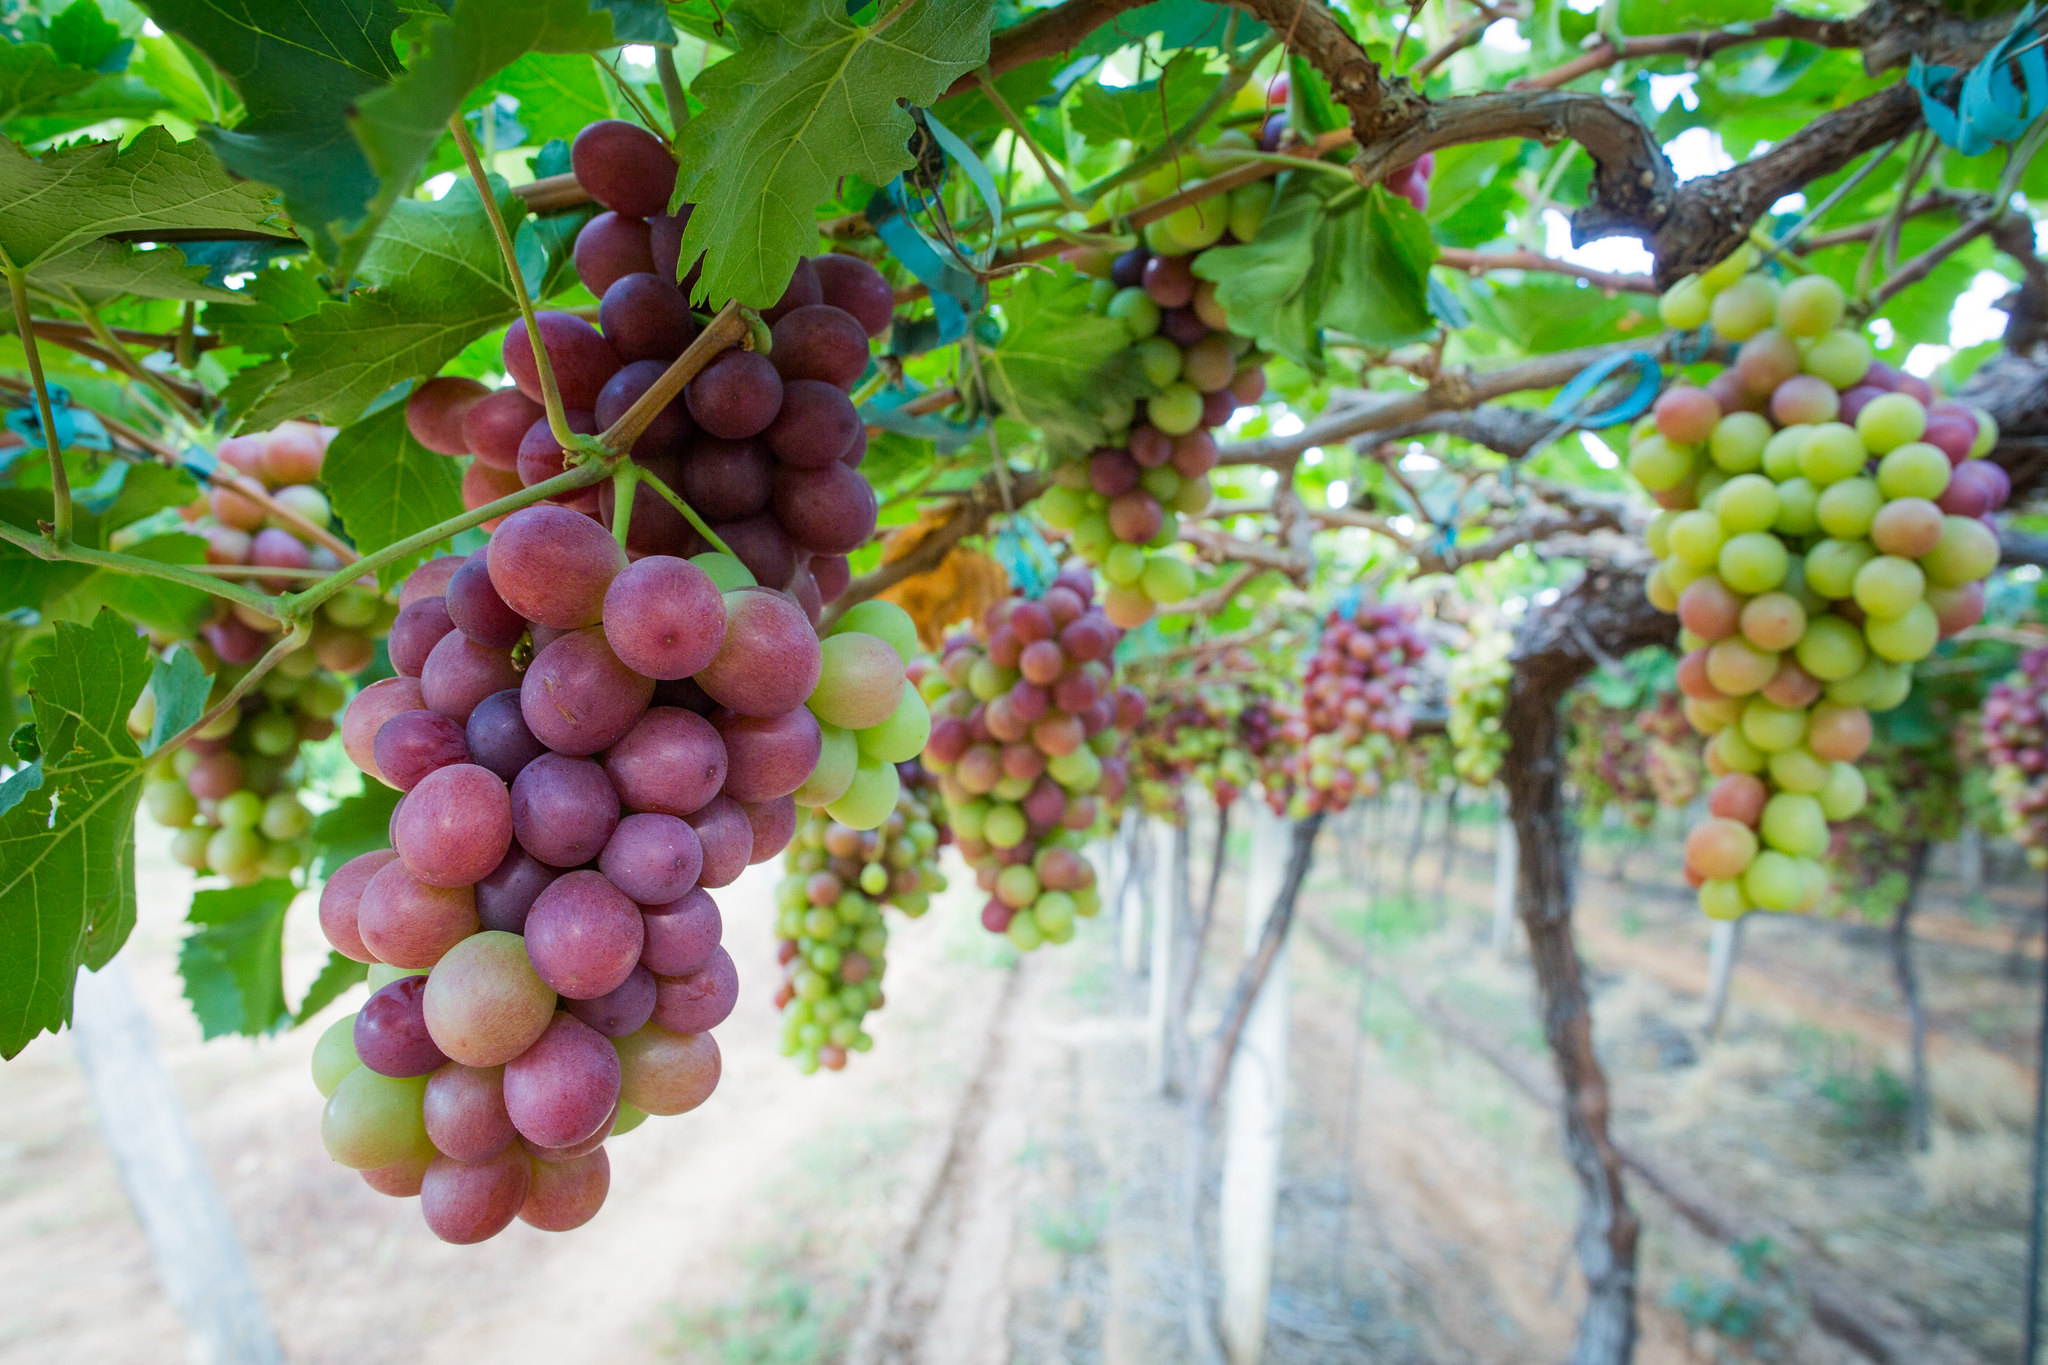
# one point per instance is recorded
(1906, 527)
(1709, 609)
(1791, 686)
(1773, 621)
(1686, 414)
(1957, 609)
(1692, 677)
(1804, 399)
(1840, 734)
(1765, 361)
(1719, 847)
(1739, 797)
(1738, 668)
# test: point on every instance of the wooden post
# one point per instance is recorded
(1506, 869)
(1132, 895)
(199, 1259)
(1724, 945)
(1257, 1111)
(1168, 845)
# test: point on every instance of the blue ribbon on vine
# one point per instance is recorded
(1995, 100)
(956, 287)
(1021, 548)
(1575, 408)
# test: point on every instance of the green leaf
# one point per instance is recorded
(336, 976)
(1262, 283)
(557, 94)
(74, 195)
(400, 124)
(102, 269)
(1148, 110)
(357, 825)
(82, 36)
(67, 870)
(107, 97)
(437, 282)
(1544, 313)
(300, 68)
(32, 77)
(387, 486)
(1379, 255)
(233, 965)
(269, 304)
(153, 602)
(808, 96)
(180, 685)
(1061, 364)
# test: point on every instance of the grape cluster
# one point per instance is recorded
(1478, 679)
(1354, 709)
(833, 937)
(1121, 502)
(764, 444)
(1027, 727)
(231, 792)
(2015, 732)
(1637, 755)
(586, 748)
(1825, 524)
(1191, 731)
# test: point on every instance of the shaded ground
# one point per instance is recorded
(898, 1213)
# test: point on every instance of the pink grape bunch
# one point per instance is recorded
(231, 793)
(1028, 729)
(764, 444)
(1637, 758)
(832, 936)
(1825, 524)
(1190, 731)
(2015, 735)
(1353, 714)
(1121, 502)
(586, 748)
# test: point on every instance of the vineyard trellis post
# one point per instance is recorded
(1506, 861)
(1169, 914)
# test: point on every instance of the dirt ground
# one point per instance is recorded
(995, 1183)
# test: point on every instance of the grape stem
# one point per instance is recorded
(49, 548)
(672, 92)
(1023, 134)
(623, 480)
(675, 499)
(725, 330)
(24, 325)
(294, 639)
(551, 394)
(126, 363)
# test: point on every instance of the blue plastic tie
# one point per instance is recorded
(977, 174)
(1025, 556)
(77, 428)
(1975, 111)
(955, 291)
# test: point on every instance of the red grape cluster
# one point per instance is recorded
(231, 791)
(1028, 725)
(586, 748)
(764, 445)
(1353, 709)
(1193, 728)
(1826, 523)
(2015, 727)
(832, 934)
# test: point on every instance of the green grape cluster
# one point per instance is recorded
(1121, 502)
(832, 936)
(1478, 679)
(870, 714)
(231, 793)
(1825, 524)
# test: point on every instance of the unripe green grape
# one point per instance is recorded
(1177, 410)
(1159, 358)
(1167, 579)
(1162, 483)
(1024, 933)
(1798, 770)
(1753, 562)
(1248, 207)
(284, 818)
(1831, 452)
(1810, 306)
(1707, 487)
(1966, 552)
(1071, 475)
(1658, 590)
(1696, 538)
(1747, 502)
(1888, 587)
(1005, 826)
(1732, 751)
(1134, 308)
(188, 847)
(1685, 305)
(1774, 881)
(240, 810)
(1737, 445)
(1781, 452)
(1792, 823)
(334, 1056)
(969, 821)
(372, 1120)
(1772, 728)
(281, 687)
(1906, 638)
(273, 733)
(1079, 771)
(1194, 496)
(1744, 308)
(1987, 433)
(1845, 793)
(1011, 788)
(1831, 649)
(1198, 225)
(223, 725)
(986, 681)
(1913, 470)
(1169, 532)
(352, 608)
(1798, 501)
(1831, 566)
(1658, 465)
(1737, 668)
(382, 974)
(323, 697)
(1889, 421)
(1062, 507)
(901, 737)
(1724, 899)
(1054, 913)
(1845, 509)
(1124, 564)
(1841, 358)
(278, 860)
(1729, 269)
(170, 802)
(1658, 536)
(1092, 538)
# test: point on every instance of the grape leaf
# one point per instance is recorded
(106, 97)
(82, 36)
(32, 78)
(270, 303)
(1146, 111)
(336, 976)
(1061, 365)
(1262, 283)
(300, 67)
(357, 825)
(103, 268)
(153, 602)
(180, 685)
(808, 96)
(76, 194)
(387, 486)
(437, 283)
(1379, 254)
(67, 870)
(233, 964)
